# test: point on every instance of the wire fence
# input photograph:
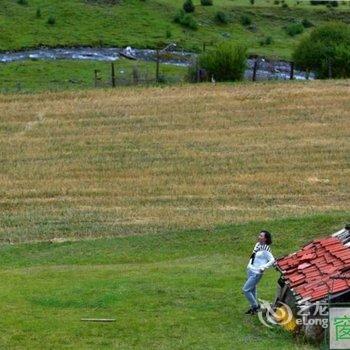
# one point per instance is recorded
(116, 74)
(106, 75)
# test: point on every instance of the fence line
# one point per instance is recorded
(148, 76)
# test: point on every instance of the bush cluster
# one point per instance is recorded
(188, 6)
(294, 29)
(225, 63)
(207, 2)
(246, 20)
(266, 41)
(221, 17)
(186, 20)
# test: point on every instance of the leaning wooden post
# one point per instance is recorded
(157, 66)
(291, 76)
(329, 69)
(95, 75)
(255, 68)
(112, 74)
(197, 72)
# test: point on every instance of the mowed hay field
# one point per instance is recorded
(135, 160)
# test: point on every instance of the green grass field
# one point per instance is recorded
(148, 23)
(169, 291)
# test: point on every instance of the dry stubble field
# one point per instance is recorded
(133, 161)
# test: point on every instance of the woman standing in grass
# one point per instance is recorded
(260, 260)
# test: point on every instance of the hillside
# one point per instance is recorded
(135, 160)
(149, 23)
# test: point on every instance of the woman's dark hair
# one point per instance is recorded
(268, 237)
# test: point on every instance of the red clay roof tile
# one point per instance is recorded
(303, 266)
(308, 271)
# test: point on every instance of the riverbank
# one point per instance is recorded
(81, 68)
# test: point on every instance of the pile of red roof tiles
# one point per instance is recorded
(312, 271)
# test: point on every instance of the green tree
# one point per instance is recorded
(326, 51)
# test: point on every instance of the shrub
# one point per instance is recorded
(246, 20)
(178, 16)
(285, 6)
(306, 23)
(188, 6)
(326, 45)
(186, 20)
(253, 28)
(322, 2)
(190, 22)
(226, 63)
(331, 4)
(207, 2)
(252, 2)
(266, 41)
(221, 17)
(38, 13)
(22, 2)
(294, 29)
(51, 20)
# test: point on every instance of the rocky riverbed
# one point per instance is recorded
(266, 69)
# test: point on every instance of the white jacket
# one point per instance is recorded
(262, 261)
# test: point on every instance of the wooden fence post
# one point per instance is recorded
(157, 66)
(255, 68)
(112, 74)
(330, 69)
(291, 76)
(197, 72)
(96, 76)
